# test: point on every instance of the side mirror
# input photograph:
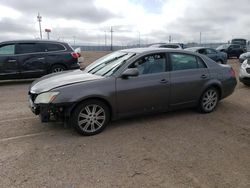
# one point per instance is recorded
(133, 72)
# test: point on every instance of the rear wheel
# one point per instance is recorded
(209, 100)
(90, 117)
(220, 62)
(57, 68)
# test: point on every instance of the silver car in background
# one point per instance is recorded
(244, 56)
(167, 45)
(244, 75)
(131, 82)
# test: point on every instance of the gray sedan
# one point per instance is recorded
(131, 82)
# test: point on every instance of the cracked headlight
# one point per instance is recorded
(46, 98)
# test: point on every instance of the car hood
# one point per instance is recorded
(55, 80)
(245, 55)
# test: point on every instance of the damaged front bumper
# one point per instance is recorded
(50, 112)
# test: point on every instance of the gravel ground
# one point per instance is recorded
(175, 149)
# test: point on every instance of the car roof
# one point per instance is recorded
(152, 50)
(30, 41)
(197, 48)
(162, 44)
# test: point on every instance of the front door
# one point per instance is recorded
(147, 92)
(8, 62)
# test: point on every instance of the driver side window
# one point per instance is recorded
(150, 64)
(8, 49)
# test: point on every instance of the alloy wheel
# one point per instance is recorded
(58, 69)
(209, 100)
(91, 118)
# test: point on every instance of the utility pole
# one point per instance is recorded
(74, 37)
(39, 19)
(105, 38)
(200, 37)
(111, 38)
(139, 38)
(170, 38)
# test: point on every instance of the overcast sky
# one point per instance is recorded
(89, 21)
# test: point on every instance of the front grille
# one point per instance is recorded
(248, 70)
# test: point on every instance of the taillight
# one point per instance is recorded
(232, 73)
(75, 54)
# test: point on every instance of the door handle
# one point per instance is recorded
(40, 58)
(11, 60)
(203, 76)
(164, 81)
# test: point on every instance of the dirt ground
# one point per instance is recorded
(175, 149)
(91, 56)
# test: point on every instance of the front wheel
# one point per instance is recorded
(90, 117)
(209, 100)
(247, 84)
(220, 62)
(57, 68)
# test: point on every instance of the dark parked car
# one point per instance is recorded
(33, 58)
(131, 82)
(217, 56)
(232, 50)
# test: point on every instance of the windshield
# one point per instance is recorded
(224, 46)
(109, 64)
(239, 41)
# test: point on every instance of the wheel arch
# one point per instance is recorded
(215, 85)
(55, 64)
(105, 101)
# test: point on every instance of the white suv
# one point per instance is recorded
(245, 72)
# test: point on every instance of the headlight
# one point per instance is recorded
(47, 97)
(244, 64)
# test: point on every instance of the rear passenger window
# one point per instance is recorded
(201, 63)
(51, 47)
(25, 48)
(185, 62)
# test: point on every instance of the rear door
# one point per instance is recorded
(234, 50)
(8, 61)
(57, 53)
(31, 59)
(188, 75)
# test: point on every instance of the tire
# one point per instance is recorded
(57, 68)
(220, 62)
(209, 100)
(247, 84)
(90, 117)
